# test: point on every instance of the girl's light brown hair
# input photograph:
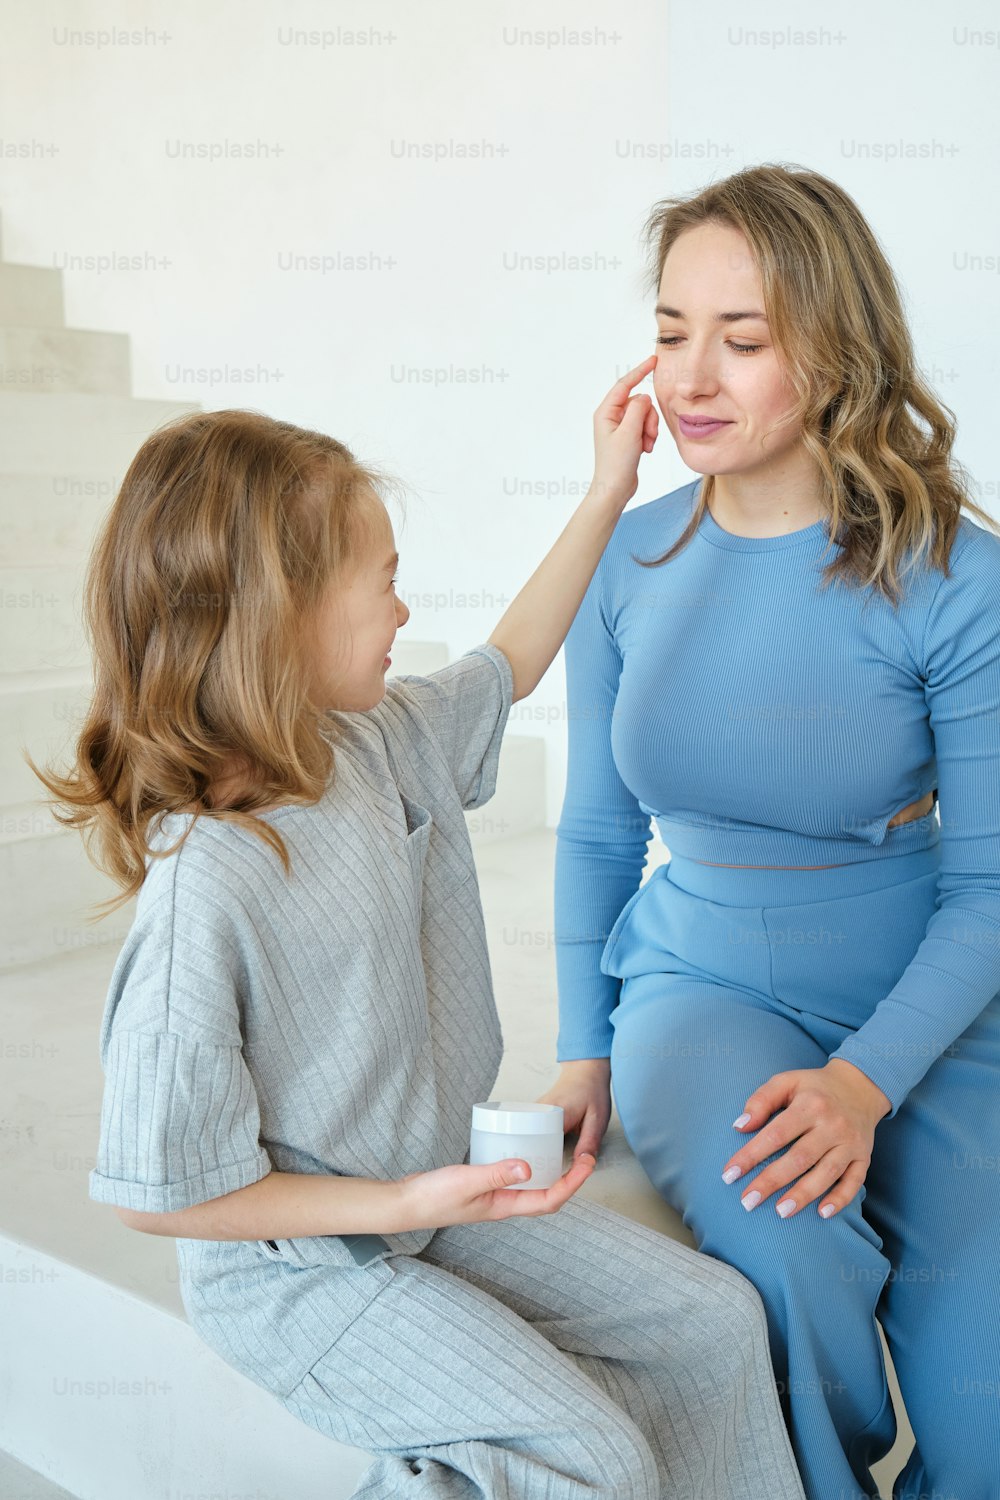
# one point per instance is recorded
(226, 530)
(891, 486)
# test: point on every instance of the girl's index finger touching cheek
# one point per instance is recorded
(638, 373)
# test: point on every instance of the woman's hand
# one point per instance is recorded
(625, 427)
(830, 1114)
(583, 1088)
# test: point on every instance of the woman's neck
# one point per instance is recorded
(784, 497)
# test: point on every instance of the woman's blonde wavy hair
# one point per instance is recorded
(223, 536)
(892, 488)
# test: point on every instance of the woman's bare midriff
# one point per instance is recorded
(915, 810)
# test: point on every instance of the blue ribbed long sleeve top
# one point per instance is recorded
(763, 720)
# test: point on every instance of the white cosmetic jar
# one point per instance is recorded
(503, 1129)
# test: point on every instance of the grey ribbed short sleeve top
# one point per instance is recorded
(338, 1020)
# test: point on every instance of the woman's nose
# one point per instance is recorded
(696, 378)
(694, 372)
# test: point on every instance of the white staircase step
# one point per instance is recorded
(17, 1482)
(77, 435)
(42, 716)
(51, 520)
(48, 891)
(30, 295)
(53, 361)
(42, 612)
(121, 1401)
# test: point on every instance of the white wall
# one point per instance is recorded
(560, 121)
(898, 103)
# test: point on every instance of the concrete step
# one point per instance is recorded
(17, 1482)
(119, 1400)
(42, 715)
(78, 435)
(50, 520)
(49, 889)
(30, 296)
(53, 361)
(42, 619)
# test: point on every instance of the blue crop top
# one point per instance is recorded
(669, 672)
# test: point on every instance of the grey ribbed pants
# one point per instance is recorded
(572, 1355)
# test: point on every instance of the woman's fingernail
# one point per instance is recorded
(786, 1206)
(827, 1210)
(751, 1200)
(743, 1120)
(731, 1174)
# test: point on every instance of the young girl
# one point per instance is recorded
(302, 1016)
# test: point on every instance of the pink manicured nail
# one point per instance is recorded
(743, 1120)
(786, 1206)
(731, 1174)
(751, 1200)
(827, 1210)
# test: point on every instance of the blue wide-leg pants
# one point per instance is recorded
(731, 975)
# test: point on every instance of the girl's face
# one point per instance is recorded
(722, 368)
(357, 624)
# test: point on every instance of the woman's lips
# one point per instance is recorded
(699, 429)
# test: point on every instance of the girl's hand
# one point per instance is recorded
(625, 427)
(583, 1089)
(465, 1194)
(830, 1113)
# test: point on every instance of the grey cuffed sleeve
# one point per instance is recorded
(179, 1123)
(465, 706)
(180, 1116)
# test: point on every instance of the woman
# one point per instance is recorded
(785, 662)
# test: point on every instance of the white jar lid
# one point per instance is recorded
(509, 1117)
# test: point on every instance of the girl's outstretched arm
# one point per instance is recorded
(534, 627)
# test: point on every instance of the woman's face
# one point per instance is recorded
(722, 369)
(357, 623)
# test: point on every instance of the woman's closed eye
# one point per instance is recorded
(671, 339)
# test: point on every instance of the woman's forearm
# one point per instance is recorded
(284, 1206)
(535, 624)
